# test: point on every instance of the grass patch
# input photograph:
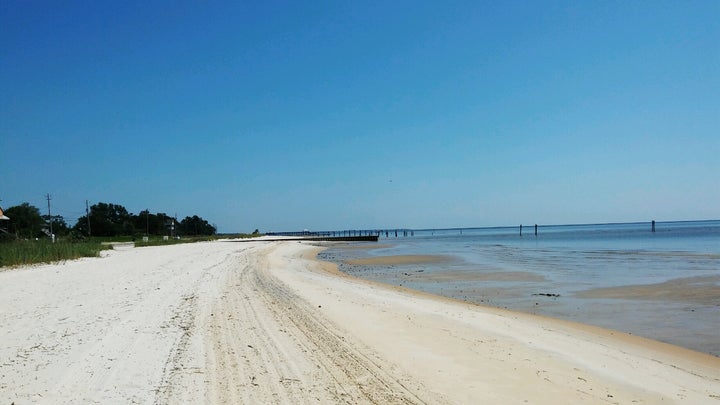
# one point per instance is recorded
(24, 252)
(21, 252)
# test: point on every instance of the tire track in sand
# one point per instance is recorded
(263, 344)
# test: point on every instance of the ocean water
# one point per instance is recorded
(552, 273)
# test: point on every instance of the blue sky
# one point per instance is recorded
(337, 115)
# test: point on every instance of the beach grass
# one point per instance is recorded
(23, 252)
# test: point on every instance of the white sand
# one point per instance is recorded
(261, 322)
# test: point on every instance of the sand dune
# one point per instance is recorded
(262, 322)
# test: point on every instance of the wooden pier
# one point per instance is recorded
(279, 238)
(365, 238)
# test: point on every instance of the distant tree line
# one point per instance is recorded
(105, 219)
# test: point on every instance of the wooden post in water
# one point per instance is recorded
(535, 229)
(653, 225)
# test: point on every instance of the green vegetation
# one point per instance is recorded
(25, 238)
(104, 220)
(22, 252)
(114, 220)
(26, 221)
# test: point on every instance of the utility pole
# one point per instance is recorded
(147, 222)
(52, 235)
(87, 215)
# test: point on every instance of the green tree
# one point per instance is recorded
(196, 226)
(81, 227)
(153, 224)
(59, 227)
(106, 220)
(25, 221)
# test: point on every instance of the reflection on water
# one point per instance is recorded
(547, 274)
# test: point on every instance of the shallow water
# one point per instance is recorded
(549, 274)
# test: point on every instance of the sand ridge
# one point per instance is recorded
(702, 290)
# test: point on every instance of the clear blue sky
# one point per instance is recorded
(359, 114)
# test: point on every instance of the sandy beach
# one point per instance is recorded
(265, 322)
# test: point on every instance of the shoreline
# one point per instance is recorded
(218, 322)
(648, 351)
(680, 311)
(609, 333)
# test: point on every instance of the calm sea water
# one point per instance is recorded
(545, 274)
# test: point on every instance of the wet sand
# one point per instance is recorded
(683, 311)
(399, 260)
(700, 290)
(359, 246)
(469, 276)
